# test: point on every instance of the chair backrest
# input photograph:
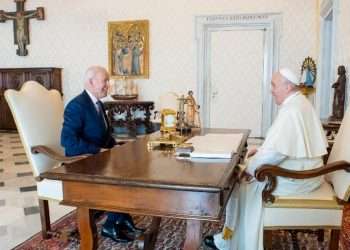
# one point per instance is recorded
(38, 114)
(341, 151)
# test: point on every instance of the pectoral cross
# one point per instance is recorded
(21, 24)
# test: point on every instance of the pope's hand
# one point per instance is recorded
(246, 177)
(252, 152)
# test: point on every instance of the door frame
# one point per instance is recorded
(328, 49)
(205, 25)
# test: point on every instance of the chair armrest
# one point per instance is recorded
(41, 149)
(271, 172)
(54, 155)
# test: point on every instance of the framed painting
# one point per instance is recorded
(128, 49)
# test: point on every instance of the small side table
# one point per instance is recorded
(129, 107)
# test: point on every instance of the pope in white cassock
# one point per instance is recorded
(295, 141)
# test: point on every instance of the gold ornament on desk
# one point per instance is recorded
(176, 125)
(182, 125)
(188, 113)
(192, 111)
(166, 141)
(168, 138)
(168, 120)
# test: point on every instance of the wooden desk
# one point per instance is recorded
(132, 179)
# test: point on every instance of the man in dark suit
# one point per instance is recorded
(86, 131)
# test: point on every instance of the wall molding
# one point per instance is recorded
(327, 71)
(269, 22)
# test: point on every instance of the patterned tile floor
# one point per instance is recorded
(19, 211)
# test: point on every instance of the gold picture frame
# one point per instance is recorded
(128, 49)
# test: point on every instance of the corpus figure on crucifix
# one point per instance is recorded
(20, 20)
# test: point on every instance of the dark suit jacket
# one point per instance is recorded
(84, 130)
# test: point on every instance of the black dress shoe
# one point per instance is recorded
(131, 228)
(114, 233)
(209, 242)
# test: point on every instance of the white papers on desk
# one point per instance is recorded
(215, 145)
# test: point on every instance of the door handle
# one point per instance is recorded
(214, 94)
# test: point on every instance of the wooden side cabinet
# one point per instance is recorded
(13, 78)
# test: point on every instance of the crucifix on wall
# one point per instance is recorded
(21, 24)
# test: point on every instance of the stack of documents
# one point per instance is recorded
(215, 145)
(184, 150)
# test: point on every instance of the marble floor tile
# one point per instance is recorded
(31, 210)
(3, 230)
(19, 211)
(10, 214)
(19, 154)
(30, 201)
(24, 174)
(28, 189)
(23, 184)
(21, 162)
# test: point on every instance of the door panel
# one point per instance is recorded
(237, 61)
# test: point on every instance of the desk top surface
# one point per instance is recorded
(132, 164)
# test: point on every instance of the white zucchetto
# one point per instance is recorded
(289, 75)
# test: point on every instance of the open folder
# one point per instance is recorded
(215, 145)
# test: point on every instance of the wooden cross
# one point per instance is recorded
(21, 24)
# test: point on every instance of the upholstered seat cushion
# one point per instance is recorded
(323, 197)
(315, 209)
(285, 218)
(50, 189)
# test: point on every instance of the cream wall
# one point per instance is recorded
(74, 36)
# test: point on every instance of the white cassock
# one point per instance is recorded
(295, 141)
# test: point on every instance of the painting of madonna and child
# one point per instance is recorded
(128, 49)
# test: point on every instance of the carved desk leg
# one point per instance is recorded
(151, 235)
(45, 218)
(193, 235)
(87, 229)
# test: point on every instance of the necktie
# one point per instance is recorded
(101, 112)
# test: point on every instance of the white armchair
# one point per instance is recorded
(38, 114)
(319, 209)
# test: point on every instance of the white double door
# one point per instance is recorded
(236, 79)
